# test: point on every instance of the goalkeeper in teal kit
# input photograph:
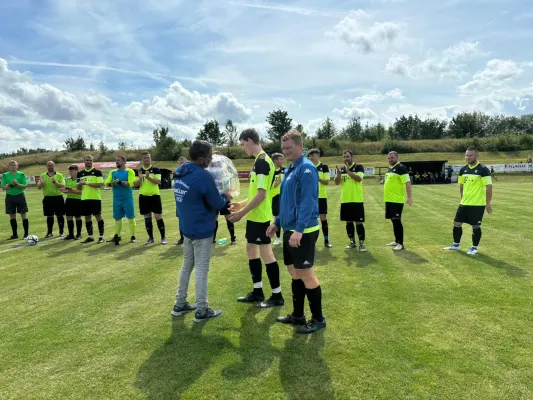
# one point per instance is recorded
(121, 179)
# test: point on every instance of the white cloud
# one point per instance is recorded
(285, 102)
(96, 117)
(449, 63)
(360, 106)
(496, 74)
(364, 35)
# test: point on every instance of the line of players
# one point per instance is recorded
(83, 199)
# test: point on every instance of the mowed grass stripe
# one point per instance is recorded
(93, 322)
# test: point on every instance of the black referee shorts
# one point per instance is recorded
(471, 215)
(393, 210)
(275, 205)
(322, 206)
(353, 212)
(302, 257)
(53, 205)
(16, 203)
(150, 204)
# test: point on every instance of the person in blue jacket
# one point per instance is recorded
(197, 203)
(298, 217)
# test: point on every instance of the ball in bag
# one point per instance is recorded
(225, 175)
(32, 240)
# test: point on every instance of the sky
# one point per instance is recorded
(114, 70)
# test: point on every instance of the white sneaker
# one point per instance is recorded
(454, 246)
(472, 251)
(277, 242)
(391, 244)
(164, 241)
(398, 247)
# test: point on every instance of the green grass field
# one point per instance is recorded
(94, 322)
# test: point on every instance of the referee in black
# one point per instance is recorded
(298, 217)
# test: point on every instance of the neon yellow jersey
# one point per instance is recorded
(261, 177)
(19, 177)
(395, 179)
(474, 180)
(278, 177)
(90, 176)
(73, 185)
(148, 188)
(323, 173)
(351, 190)
(49, 188)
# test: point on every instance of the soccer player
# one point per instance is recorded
(73, 203)
(14, 183)
(51, 184)
(323, 181)
(258, 211)
(182, 160)
(299, 219)
(397, 185)
(277, 159)
(90, 183)
(197, 201)
(149, 179)
(350, 177)
(475, 187)
(122, 180)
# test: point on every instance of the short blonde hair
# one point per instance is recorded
(14, 162)
(293, 135)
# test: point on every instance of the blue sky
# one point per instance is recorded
(112, 70)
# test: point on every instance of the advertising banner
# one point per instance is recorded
(98, 165)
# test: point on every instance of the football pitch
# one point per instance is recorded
(93, 321)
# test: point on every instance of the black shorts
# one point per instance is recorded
(353, 212)
(256, 232)
(393, 210)
(323, 206)
(150, 204)
(73, 207)
(302, 257)
(472, 215)
(16, 203)
(53, 205)
(91, 207)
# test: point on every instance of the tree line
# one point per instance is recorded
(465, 125)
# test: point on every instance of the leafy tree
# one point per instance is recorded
(407, 128)
(353, 131)
(210, 132)
(327, 130)
(91, 147)
(280, 123)
(300, 128)
(468, 125)
(432, 128)
(231, 134)
(122, 145)
(166, 147)
(78, 144)
(102, 148)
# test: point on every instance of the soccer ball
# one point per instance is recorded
(32, 240)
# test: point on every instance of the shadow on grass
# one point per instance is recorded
(255, 350)
(358, 259)
(173, 251)
(410, 256)
(323, 255)
(511, 270)
(180, 361)
(304, 373)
